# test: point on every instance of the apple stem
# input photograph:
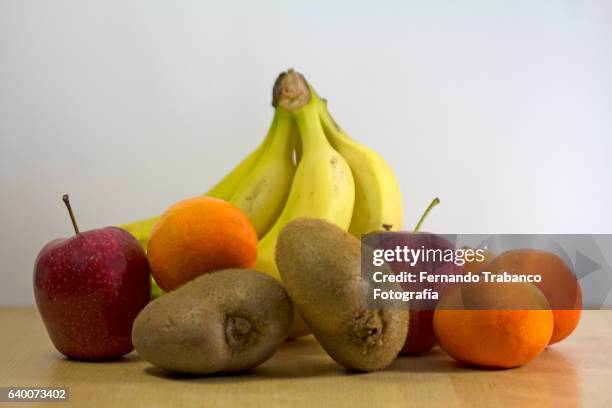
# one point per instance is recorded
(66, 201)
(433, 203)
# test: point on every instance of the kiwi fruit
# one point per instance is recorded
(320, 266)
(225, 321)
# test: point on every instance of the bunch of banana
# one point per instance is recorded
(335, 177)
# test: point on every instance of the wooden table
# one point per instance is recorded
(577, 372)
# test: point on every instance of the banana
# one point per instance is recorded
(227, 185)
(322, 186)
(141, 229)
(378, 200)
(224, 189)
(262, 194)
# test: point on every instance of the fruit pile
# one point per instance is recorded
(306, 166)
(272, 252)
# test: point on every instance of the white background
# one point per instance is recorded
(501, 108)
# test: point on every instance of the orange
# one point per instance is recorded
(498, 325)
(559, 284)
(199, 235)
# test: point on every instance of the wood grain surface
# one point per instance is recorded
(577, 372)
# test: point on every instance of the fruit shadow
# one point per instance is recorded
(132, 357)
(305, 358)
(69, 371)
(302, 358)
(261, 373)
(437, 361)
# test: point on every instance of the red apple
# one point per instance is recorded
(420, 331)
(89, 289)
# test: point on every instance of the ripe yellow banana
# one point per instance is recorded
(227, 185)
(378, 200)
(323, 186)
(262, 194)
(224, 189)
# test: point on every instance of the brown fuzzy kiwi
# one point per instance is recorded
(225, 321)
(320, 266)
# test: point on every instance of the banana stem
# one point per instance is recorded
(311, 131)
(283, 135)
(433, 203)
(291, 91)
(329, 124)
